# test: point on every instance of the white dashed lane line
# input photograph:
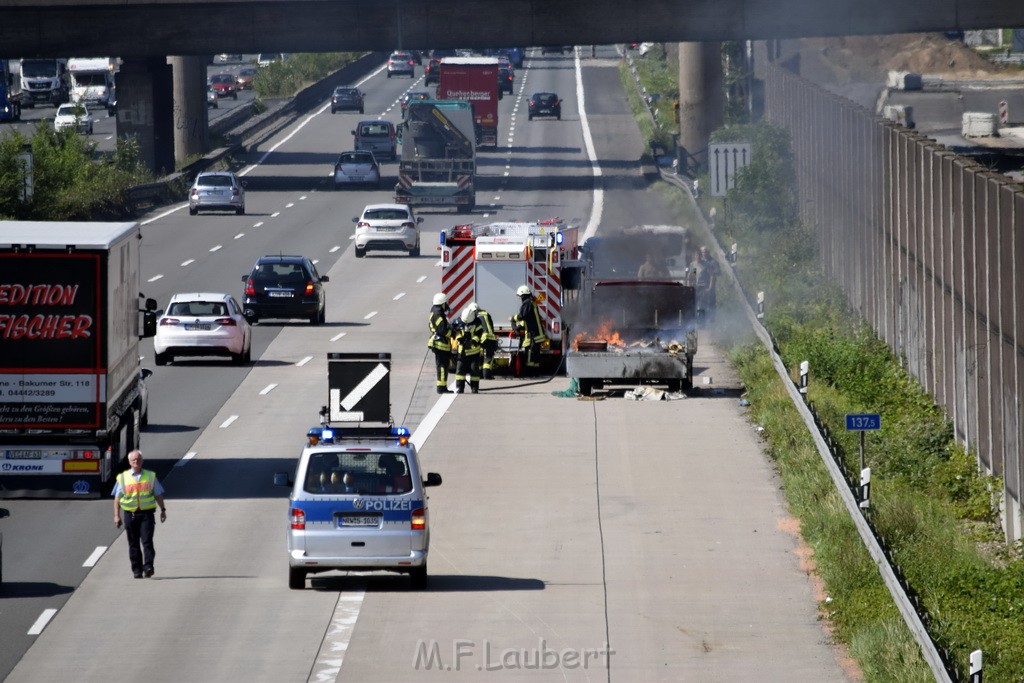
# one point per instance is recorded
(267, 389)
(41, 622)
(275, 214)
(188, 263)
(338, 336)
(421, 278)
(335, 248)
(369, 315)
(289, 205)
(227, 423)
(256, 225)
(239, 235)
(95, 557)
(154, 278)
(216, 248)
(398, 296)
(304, 361)
(185, 458)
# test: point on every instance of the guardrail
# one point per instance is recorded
(259, 127)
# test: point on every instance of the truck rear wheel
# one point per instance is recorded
(296, 578)
(418, 578)
(586, 386)
(161, 359)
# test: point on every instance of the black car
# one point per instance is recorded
(345, 98)
(284, 287)
(545, 104)
(505, 80)
(432, 74)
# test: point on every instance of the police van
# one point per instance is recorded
(358, 503)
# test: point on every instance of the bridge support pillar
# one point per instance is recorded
(145, 109)
(191, 132)
(700, 101)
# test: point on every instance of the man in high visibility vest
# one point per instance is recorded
(530, 326)
(469, 335)
(137, 494)
(490, 340)
(440, 341)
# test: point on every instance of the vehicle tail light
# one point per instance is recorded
(170, 321)
(234, 191)
(419, 519)
(309, 287)
(298, 518)
(531, 103)
(250, 288)
(411, 63)
(362, 224)
(194, 191)
(409, 225)
(227, 322)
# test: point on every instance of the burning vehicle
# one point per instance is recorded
(628, 330)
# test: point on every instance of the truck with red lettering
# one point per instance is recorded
(72, 392)
(474, 79)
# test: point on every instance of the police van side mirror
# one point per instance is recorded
(433, 479)
(282, 479)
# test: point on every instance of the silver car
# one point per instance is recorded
(217, 190)
(401, 63)
(378, 136)
(387, 227)
(358, 505)
(356, 168)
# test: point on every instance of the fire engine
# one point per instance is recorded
(487, 263)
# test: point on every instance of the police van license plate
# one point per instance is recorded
(359, 520)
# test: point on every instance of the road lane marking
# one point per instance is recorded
(188, 263)
(334, 249)
(267, 389)
(369, 315)
(154, 278)
(398, 296)
(304, 361)
(338, 336)
(339, 633)
(41, 622)
(597, 208)
(421, 278)
(302, 198)
(289, 205)
(240, 235)
(164, 214)
(227, 423)
(185, 458)
(95, 557)
(256, 225)
(275, 214)
(216, 248)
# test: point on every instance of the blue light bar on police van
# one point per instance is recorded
(327, 435)
(559, 237)
(442, 238)
(400, 431)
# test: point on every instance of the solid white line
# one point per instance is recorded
(187, 263)
(240, 235)
(95, 557)
(304, 361)
(398, 296)
(334, 249)
(216, 248)
(338, 336)
(369, 315)
(339, 633)
(164, 214)
(267, 389)
(275, 214)
(185, 458)
(598, 205)
(421, 278)
(41, 622)
(154, 278)
(227, 423)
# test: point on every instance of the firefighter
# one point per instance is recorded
(490, 340)
(530, 327)
(468, 334)
(440, 341)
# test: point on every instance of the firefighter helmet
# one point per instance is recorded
(474, 306)
(468, 315)
(523, 291)
(440, 299)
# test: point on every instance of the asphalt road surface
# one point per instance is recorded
(571, 540)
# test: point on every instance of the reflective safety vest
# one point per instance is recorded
(529, 318)
(138, 495)
(470, 339)
(440, 330)
(485, 319)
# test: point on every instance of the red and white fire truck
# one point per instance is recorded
(487, 263)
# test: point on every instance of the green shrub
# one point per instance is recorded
(286, 77)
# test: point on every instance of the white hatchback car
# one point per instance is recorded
(359, 168)
(73, 116)
(387, 227)
(202, 324)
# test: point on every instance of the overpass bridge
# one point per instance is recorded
(144, 32)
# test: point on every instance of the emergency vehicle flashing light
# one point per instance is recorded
(327, 435)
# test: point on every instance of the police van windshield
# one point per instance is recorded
(365, 473)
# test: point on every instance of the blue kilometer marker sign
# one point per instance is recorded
(863, 422)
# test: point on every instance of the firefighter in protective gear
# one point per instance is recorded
(530, 327)
(468, 335)
(440, 341)
(490, 340)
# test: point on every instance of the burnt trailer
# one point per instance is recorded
(632, 332)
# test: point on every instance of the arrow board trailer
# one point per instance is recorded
(487, 263)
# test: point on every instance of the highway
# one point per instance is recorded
(571, 540)
(105, 126)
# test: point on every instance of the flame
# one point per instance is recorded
(604, 332)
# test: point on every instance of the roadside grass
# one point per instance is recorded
(286, 77)
(933, 509)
